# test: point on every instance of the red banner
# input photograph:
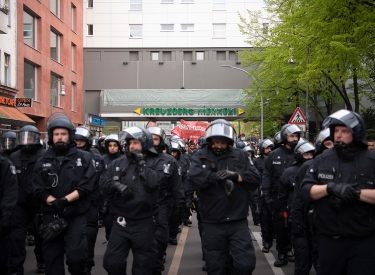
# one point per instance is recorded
(190, 130)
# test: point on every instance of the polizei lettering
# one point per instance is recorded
(324, 176)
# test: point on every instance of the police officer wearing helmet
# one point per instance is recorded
(133, 183)
(28, 140)
(8, 143)
(341, 184)
(223, 175)
(274, 166)
(83, 139)
(171, 195)
(62, 182)
(8, 201)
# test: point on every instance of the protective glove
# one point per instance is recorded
(68, 211)
(335, 203)
(123, 190)
(103, 210)
(226, 175)
(53, 229)
(60, 204)
(6, 225)
(268, 201)
(138, 157)
(344, 191)
(228, 186)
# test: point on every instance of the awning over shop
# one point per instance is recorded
(12, 116)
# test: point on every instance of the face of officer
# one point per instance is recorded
(60, 135)
(113, 147)
(135, 145)
(80, 143)
(291, 141)
(308, 155)
(343, 134)
(155, 140)
(371, 145)
(174, 153)
(267, 150)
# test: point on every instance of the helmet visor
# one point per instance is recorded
(304, 148)
(83, 132)
(267, 143)
(345, 116)
(221, 131)
(8, 143)
(27, 138)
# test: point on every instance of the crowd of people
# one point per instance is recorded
(314, 201)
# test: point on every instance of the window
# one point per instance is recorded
(73, 92)
(265, 28)
(55, 45)
(167, 1)
(90, 29)
(30, 81)
(218, 30)
(29, 29)
(218, 4)
(167, 27)
(90, 3)
(187, 1)
(6, 69)
(154, 56)
(199, 55)
(54, 7)
(135, 4)
(187, 27)
(73, 57)
(56, 83)
(73, 13)
(135, 31)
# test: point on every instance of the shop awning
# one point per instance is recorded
(12, 116)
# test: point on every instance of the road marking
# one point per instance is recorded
(269, 256)
(175, 264)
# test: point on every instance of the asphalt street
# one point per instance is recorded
(185, 258)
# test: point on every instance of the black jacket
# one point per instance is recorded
(356, 220)
(75, 172)
(8, 187)
(25, 163)
(215, 206)
(143, 184)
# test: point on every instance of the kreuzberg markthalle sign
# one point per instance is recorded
(189, 111)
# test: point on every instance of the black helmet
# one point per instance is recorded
(8, 140)
(240, 145)
(303, 146)
(175, 146)
(349, 119)
(220, 129)
(59, 120)
(289, 129)
(83, 133)
(154, 130)
(141, 134)
(112, 138)
(94, 142)
(201, 141)
(277, 139)
(322, 137)
(249, 149)
(180, 141)
(264, 144)
(28, 135)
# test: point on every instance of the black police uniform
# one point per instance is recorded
(224, 218)
(274, 166)
(346, 233)
(58, 176)
(26, 210)
(255, 199)
(134, 219)
(8, 201)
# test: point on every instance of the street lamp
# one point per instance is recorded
(261, 97)
(62, 90)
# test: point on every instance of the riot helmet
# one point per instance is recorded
(240, 145)
(141, 134)
(175, 147)
(60, 120)
(28, 137)
(277, 139)
(112, 138)
(289, 129)
(265, 144)
(94, 142)
(249, 149)
(303, 146)
(222, 130)
(83, 133)
(180, 141)
(322, 137)
(101, 145)
(154, 130)
(201, 141)
(349, 119)
(8, 141)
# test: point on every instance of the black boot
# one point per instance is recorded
(291, 256)
(266, 247)
(173, 241)
(282, 260)
(40, 268)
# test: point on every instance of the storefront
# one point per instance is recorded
(96, 124)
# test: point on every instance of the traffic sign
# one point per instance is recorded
(298, 117)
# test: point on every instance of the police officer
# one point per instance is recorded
(25, 213)
(223, 175)
(133, 183)
(274, 166)
(63, 180)
(83, 138)
(8, 144)
(341, 183)
(171, 194)
(8, 201)
(265, 213)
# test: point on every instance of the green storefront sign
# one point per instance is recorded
(189, 111)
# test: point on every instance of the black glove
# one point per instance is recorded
(297, 230)
(68, 211)
(228, 186)
(137, 156)
(123, 190)
(6, 225)
(226, 175)
(268, 201)
(344, 191)
(103, 210)
(335, 203)
(53, 229)
(60, 204)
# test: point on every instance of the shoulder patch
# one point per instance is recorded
(13, 169)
